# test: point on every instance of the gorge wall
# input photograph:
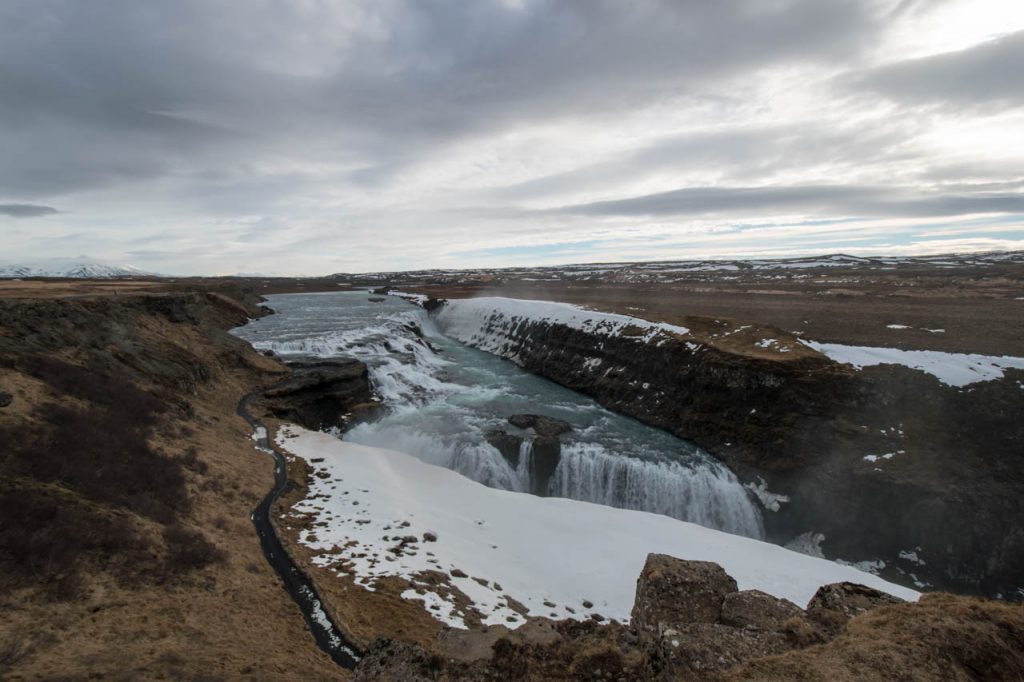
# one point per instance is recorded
(885, 465)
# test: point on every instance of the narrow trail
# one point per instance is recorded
(327, 635)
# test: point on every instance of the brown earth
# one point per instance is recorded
(365, 615)
(980, 307)
(97, 580)
(185, 593)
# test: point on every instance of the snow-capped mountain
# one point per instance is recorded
(81, 267)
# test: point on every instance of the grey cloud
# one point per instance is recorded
(736, 154)
(848, 200)
(26, 210)
(99, 94)
(170, 119)
(983, 75)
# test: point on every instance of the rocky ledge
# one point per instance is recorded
(690, 621)
(542, 435)
(322, 394)
(887, 465)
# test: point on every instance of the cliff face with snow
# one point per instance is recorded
(888, 464)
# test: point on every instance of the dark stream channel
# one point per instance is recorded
(327, 635)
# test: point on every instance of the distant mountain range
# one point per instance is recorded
(81, 267)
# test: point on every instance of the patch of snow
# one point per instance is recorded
(935, 331)
(773, 344)
(873, 566)
(531, 549)
(912, 557)
(875, 458)
(897, 326)
(808, 543)
(769, 500)
(952, 369)
(418, 299)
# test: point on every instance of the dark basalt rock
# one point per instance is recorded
(320, 393)
(541, 425)
(546, 447)
(5, 399)
(507, 444)
(432, 304)
(547, 451)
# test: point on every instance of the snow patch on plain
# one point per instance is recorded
(952, 369)
(530, 549)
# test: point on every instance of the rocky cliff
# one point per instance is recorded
(885, 465)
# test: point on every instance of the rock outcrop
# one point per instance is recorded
(545, 447)
(807, 433)
(690, 621)
(322, 394)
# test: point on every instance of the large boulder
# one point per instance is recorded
(833, 606)
(753, 609)
(690, 618)
(321, 394)
(5, 399)
(671, 593)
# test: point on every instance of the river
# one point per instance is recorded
(442, 397)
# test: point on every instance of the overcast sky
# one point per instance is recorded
(309, 137)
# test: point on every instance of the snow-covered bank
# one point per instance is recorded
(483, 322)
(952, 369)
(551, 555)
(491, 324)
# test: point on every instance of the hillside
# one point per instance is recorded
(126, 485)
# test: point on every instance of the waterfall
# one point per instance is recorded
(474, 459)
(708, 494)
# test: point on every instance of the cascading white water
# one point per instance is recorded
(473, 459)
(708, 494)
(442, 398)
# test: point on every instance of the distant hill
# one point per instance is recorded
(81, 267)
